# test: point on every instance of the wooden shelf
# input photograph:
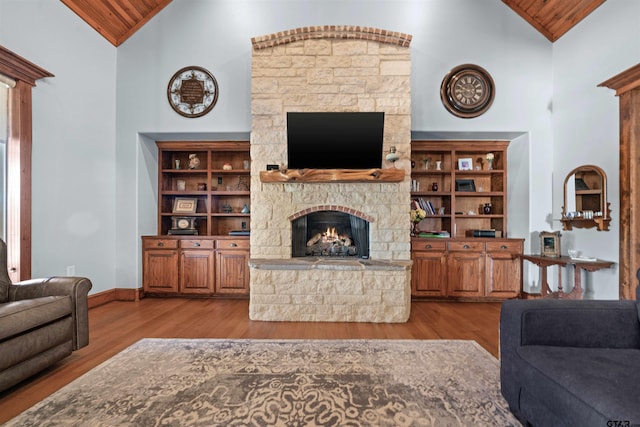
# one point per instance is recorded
(332, 175)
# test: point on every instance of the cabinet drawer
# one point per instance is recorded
(232, 244)
(512, 247)
(196, 244)
(160, 243)
(466, 246)
(428, 245)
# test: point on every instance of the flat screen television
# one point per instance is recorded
(343, 140)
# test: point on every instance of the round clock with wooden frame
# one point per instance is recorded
(192, 91)
(467, 91)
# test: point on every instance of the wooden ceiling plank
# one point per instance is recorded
(525, 14)
(569, 15)
(161, 4)
(553, 18)
(92, 16)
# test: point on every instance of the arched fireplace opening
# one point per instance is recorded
(330, 234)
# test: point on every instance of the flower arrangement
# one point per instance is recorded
(417, 215)
(489, 158)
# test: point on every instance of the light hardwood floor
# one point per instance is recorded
(117, 325)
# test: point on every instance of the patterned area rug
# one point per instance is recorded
(209, 382)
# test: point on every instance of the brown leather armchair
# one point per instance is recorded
(41, 322)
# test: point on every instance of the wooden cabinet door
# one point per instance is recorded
(232, 272)
(429, 274)
(196, 271)
(504, 271)
(466, 274)
(160, 270)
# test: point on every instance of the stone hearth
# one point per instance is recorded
(330, 68)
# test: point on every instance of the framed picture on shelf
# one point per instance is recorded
(185, 205)
(465, 164)
(465, 185)
(550, 243)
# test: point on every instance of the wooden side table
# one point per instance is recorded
(576, 293)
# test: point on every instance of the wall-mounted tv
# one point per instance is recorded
(343, 140)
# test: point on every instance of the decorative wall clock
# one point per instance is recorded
(467, 91)
(192, 92)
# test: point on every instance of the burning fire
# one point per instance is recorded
(330, 242)
(331, 233)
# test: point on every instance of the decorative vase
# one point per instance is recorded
(490, 161)
(434, 186)
(487, 208)
(439, 165)
(414, 229)
(426, 164)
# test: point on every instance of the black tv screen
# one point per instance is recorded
(335, 140)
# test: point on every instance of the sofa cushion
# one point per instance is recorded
(4, 290)
(585, 385)
(20, 316)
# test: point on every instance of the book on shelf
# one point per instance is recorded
(438, 234)
(425, 205)
(484, 233)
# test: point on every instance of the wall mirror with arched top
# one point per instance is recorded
(585, 199)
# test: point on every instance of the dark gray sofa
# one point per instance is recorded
(41, 322)
(571, 363)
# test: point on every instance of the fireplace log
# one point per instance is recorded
(333, 175)
(315, 239)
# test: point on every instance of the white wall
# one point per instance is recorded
(103, 170)
(586, 122)
(73, 139)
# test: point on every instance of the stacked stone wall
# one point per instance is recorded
(328, 69)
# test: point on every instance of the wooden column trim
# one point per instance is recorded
(627, 87)
(19, 146)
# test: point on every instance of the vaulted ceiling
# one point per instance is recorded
(117, 20)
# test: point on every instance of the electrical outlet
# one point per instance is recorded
(71, 270)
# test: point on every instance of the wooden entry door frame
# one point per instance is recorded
(627, 87)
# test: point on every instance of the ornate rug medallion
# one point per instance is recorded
(208, 382)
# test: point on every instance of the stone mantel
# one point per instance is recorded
(320, 263)
(333, 175)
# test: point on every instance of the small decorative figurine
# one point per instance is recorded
(392, 156)
(227, 166)
(194, 161)
(245, 209)
(434, 186)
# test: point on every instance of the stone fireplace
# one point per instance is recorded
(328, 231)
(337, 69)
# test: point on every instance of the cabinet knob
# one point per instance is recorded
(160, 243)
(503, 247)
(196, 244)
(233, 245)
(427, 246)
(466, 247)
